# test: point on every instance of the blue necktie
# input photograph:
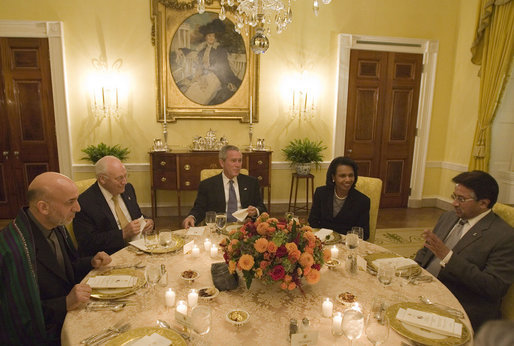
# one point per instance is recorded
(232, 202)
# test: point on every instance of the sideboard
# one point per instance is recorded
(180, 171)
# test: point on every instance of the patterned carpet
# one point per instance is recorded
(403, 241)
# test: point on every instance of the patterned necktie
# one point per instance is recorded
(232, 202)
(119, 213)
(434, 267)
(57, 249)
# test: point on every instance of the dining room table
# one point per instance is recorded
(270, 309)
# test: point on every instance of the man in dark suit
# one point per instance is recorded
(109, 218)
(53, 203)
(471, 249)
(228, 191)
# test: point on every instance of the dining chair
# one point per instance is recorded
(82, 185)
(506, 212)
(371, 187)
(211, 172)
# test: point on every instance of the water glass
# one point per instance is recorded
(201, 319)
(352, 240)
(353, 324)
(153, 274)
(151, 239)
(221, 221)
(377, 329)
(386, 273)
(359, 231)
(210, 220)
(165, 237)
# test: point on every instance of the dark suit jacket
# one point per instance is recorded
(54, 285)
(481, 268)
(95, 226)
(355, 211)
(211, 196)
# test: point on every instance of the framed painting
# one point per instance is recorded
(205, 70)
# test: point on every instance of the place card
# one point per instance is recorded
(195, 231)
(431, 321)
(306, 338)
(189, 247)
(112, 281)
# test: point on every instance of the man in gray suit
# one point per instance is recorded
(471, 249)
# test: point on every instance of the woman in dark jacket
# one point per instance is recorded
(338, 205)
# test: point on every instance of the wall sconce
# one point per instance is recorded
(303, 95)
(107, 88)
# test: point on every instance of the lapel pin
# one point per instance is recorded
(475, 234)
(129, 198)
(245, 189)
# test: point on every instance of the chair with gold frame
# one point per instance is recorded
(371, 187)
(82, 185)
(211, 172)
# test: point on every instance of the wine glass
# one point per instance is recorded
(353, 324)
(201, 319)
(359, 231)
(210, 220)
(352, 240)
(165, 237)
(377, 329)
(386, 273)
(221, 221)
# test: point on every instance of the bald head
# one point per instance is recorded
(52, 199)
(111, 174)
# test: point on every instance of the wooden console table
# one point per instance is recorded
(180, 171)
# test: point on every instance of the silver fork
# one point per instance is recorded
(103, 332)
(113, 333)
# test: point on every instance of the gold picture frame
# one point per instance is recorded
(184, 97)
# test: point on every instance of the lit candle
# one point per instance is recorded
(251, 108)
(195, 251)
(214, 251)
(192, 298)
(327, 308)
(181, 307)
(334, 252)
(207, 244)
(170, 298)
(336, 324)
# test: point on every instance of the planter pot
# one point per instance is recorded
(303, 168)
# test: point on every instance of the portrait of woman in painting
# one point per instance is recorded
(207, 59)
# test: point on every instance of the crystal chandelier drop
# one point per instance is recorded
(261, 15)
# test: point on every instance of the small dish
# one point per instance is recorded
(189, 275)
(238, 317)
(208, 293)
(346, 298)
(331, 264)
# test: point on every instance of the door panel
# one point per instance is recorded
(381, 120)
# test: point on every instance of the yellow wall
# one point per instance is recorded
(121, 29)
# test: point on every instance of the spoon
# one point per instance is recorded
(115, 308)
(164, 324)
(450, 310)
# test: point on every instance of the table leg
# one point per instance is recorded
(291, 193)
(295, 195)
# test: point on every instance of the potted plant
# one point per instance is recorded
(96, 152)
(302, 153)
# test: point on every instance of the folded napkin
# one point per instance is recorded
(193, 231)
(139, 243)
(112, 281)
(430, 321)
(323, 234)
(397, 262)
(152, 340)
(240, 214)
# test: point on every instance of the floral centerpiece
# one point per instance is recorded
(274, 251)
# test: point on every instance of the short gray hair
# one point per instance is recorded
(101, 165)
(223, 151)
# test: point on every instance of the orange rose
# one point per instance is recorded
(327, 254)
(291, 247)
(231, 266)
(291, 286)
(306, 271)
(261, 245)
(287, 278)
(234, 241)
(272, 247)
(309, 236)
(307, 229)
(262, 228)
(246, 262)
(232, 231)
(263, 265)
(309, 250)
(283, 286)
(313, 277)
(294, 256)
(306, 259)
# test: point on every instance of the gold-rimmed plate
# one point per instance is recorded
(135, 334)
(410, 271)
(231, 226)
(115, 293)
(331, 239)
(176, 244)
(422, 335)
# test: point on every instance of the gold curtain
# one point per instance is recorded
(492, 48)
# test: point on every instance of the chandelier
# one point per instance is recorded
(261, 15)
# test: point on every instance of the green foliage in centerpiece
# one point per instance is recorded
(274, 251)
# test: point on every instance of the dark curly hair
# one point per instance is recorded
(338, 161)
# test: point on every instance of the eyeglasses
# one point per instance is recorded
(461, 199)
(118, 179)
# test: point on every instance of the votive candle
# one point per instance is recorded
(327, 308)
(195, 251)
(170, 298)
(337, 324)
(207, 244)
(214, 251)
(334, 252)
(192, 298)
(181, 307)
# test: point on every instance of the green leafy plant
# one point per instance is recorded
(96, 152)
(304, 151)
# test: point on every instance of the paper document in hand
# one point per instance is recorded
(112, 281)
(142, 223)
(430, 321)
(240, 214)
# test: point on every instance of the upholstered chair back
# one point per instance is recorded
(371, 187)
(507, 214)
(211, 172)
(82, 185)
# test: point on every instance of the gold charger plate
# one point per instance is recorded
(416, 270)
(177, 243)
(115, 293)
(333, 238)
(135, 334)
(422, 335)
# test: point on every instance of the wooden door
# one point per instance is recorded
(381, 119)
(28, 142)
